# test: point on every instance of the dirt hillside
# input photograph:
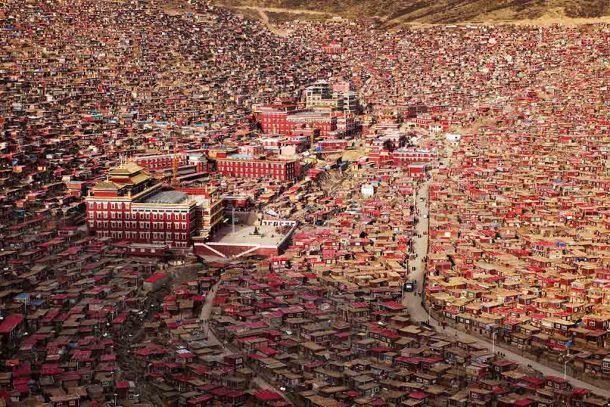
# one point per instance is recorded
(393, 12)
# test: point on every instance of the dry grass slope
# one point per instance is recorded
(393, 12)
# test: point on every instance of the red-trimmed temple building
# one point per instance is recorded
(285, 119)
(274, 118)
(199, 162)
(158, 162)
(247, 166)
(403, 157)
(131, 205)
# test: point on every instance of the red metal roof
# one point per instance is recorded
(156, 277)
(10, 323)
(267, 395)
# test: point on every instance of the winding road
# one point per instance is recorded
(204, 318)
(419, 313)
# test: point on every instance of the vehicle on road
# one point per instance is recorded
(410, 286)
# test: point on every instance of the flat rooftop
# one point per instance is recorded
(241, 157)
(245, 234)
(167, 197)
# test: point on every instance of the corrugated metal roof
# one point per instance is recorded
(167, 197)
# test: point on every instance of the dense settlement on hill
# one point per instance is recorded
(196, 211)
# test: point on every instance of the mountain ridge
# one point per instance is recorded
(395, 12)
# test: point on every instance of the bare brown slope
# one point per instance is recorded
(441, 11)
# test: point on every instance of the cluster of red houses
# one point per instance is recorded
(154, 151)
